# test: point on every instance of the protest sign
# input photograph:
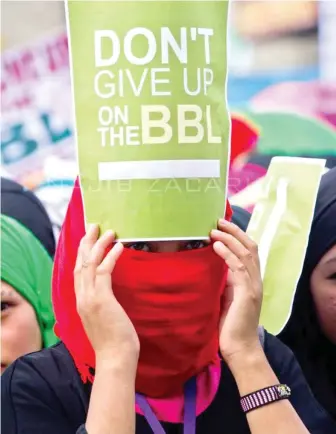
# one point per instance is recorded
(22, 68)
(36, 108)
(152, 125)
(280, 225)
(29, 136)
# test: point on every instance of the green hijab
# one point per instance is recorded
(27, 267)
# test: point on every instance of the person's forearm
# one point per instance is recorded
(112, 402)
(252, 372)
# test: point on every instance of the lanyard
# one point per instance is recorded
(189, 419)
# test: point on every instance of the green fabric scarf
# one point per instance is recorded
(27, 267)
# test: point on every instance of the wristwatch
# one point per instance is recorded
(264, 396)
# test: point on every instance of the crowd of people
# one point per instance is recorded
(171, 343)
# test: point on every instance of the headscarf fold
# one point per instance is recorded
(27, 267)
(323, 233)
(24, 206)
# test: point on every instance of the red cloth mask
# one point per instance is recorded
(173, 300)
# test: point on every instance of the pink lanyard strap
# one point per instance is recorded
(189, 419)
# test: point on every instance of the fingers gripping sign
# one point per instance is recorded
(106, 324)
(243, 294)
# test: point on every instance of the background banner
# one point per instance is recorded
(36, 108)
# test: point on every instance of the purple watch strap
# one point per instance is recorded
(189, 410)
(264, 396)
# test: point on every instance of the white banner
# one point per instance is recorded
(36, 108)
(23, 68)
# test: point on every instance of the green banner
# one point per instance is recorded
(152, 124)
(291, 134)
(280, 225)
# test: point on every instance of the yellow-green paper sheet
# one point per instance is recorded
(152, 123)
(280, 224)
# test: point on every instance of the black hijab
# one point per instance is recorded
(22, 205)
(240, 217)
(315, 353)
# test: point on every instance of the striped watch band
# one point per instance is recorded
(264, 396)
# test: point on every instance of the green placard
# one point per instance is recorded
(152, 124)
(280, 225)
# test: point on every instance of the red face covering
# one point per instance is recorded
(173, 300)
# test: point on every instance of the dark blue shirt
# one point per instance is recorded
(42, 393)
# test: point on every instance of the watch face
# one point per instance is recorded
(284, 391)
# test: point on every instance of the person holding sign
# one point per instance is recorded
(311, 329)
(159, 331)
(174, 333)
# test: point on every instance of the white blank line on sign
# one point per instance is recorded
(159, 169)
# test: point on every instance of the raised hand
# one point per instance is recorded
(107, 326)
(243, 294)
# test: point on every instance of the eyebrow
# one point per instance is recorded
(330, 261)
(6, 293)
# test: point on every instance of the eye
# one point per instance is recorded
(143, 247)
(192, 245)
(5, 305)
(332, 277)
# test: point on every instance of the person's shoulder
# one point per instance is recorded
(55, 358)
(42, 370)
(281, 358)
(56, 355)
(278, 354)
(284, 364)
(42, 392)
